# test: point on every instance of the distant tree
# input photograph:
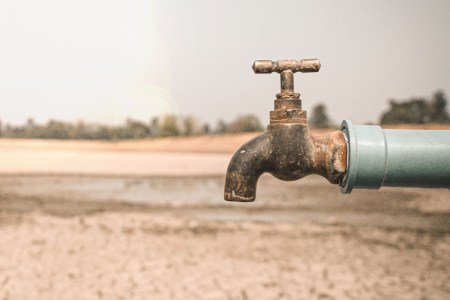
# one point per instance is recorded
(154, 126)
(136, 129)
(319, 117)
(169, 126)
(30, 123)
(7, 132)
(80, 131)
(206, 129)
(1, 128)
(190, 125)
(417, 110)
(57, 130)
(246, 123)
(29, 130)
(438, 108)
(221, 127)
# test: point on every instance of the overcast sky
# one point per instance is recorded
(104, 60)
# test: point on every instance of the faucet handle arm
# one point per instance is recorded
(287, 68)
(303, 65)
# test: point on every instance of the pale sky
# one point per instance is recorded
(105, 60)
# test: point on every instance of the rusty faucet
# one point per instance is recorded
(286, 149)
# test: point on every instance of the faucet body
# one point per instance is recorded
(288, 152)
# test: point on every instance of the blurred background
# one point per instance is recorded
(118, 120)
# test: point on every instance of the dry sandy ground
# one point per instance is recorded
(196, 144)
(54, 248)
(206, 155)
(133, 255)
(104, 162)
(61, 246)
(161, 256)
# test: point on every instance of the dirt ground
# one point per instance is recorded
(61, 244)
(161, 256)
(173, 237)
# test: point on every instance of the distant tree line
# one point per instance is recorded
(168, 125)
(417, 110)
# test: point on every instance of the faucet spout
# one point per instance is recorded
(249, 162)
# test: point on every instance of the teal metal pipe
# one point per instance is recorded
(379, 157)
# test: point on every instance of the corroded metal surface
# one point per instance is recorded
(303, 65)
(288, 152)
(330, 153)
(286, 68)
(286, 149)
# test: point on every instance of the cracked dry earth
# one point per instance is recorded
(145, 255)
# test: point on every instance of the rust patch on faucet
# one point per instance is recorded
(330, 154)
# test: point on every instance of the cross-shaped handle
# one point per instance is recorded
(303, 65)
(287, 68)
